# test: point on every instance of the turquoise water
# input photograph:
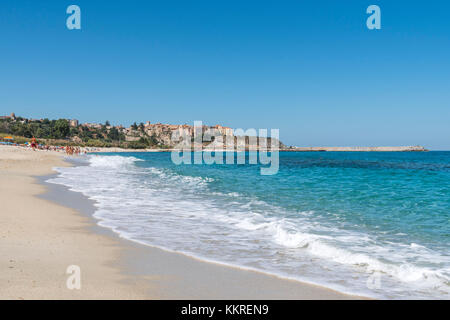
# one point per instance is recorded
(376, 224)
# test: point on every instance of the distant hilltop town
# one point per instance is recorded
(165, 132)
(145, 135)
(137, 136)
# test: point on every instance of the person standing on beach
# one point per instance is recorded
(33, 143)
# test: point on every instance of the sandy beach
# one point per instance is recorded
(41, 238)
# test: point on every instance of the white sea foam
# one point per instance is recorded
(112, 161)
(159, 207)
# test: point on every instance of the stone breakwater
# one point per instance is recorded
(362, 149)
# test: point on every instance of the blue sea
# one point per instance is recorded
(369, 223)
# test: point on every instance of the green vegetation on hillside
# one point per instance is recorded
(59, 132)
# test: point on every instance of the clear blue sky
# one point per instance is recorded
(310, 68)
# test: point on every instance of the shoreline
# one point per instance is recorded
(293, 149)
(170, 275)
(85, 149)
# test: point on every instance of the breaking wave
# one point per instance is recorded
(160, 207)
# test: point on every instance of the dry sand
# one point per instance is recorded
(39, 239)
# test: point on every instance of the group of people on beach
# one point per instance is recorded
(68, 149)
(35, 145)
(73, 150)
